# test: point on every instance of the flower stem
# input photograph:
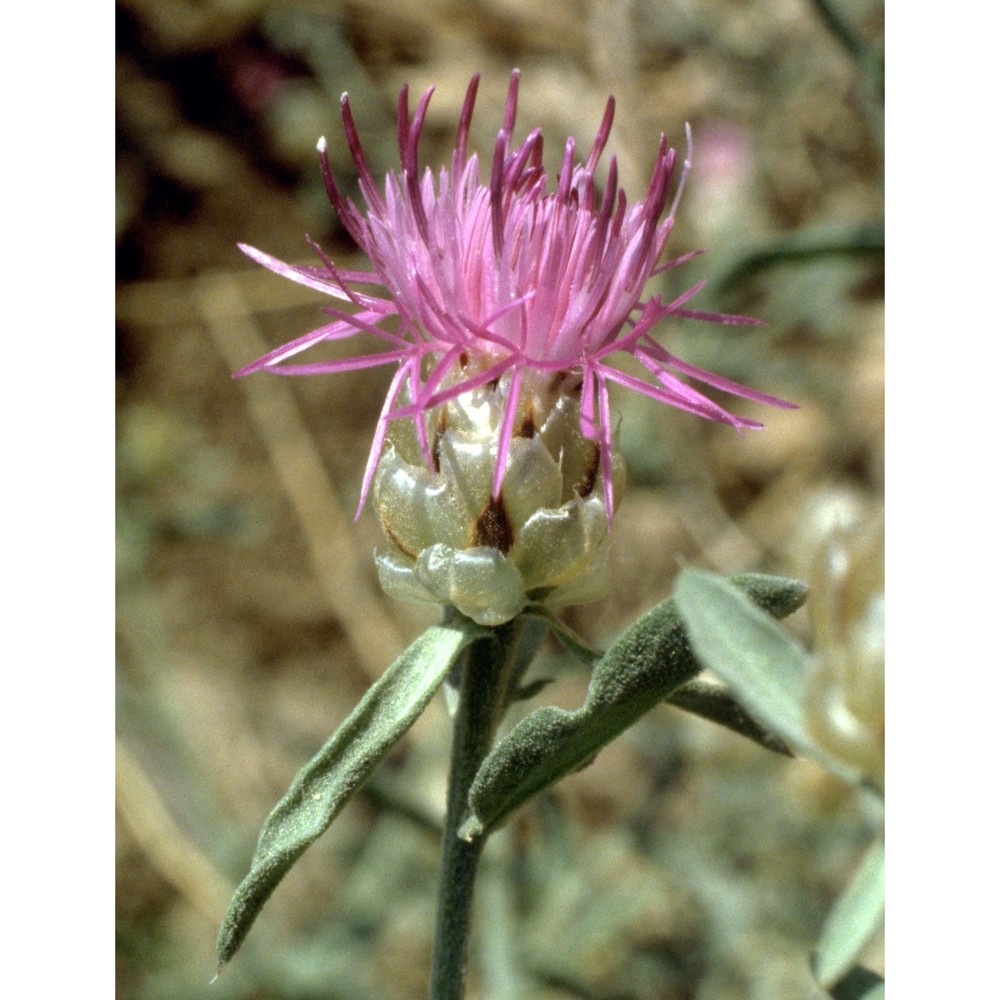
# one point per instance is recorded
(485, 676)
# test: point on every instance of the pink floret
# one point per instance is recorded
(509, 276)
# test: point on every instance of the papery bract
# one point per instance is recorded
(543, 539)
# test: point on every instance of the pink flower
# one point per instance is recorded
(504, 279)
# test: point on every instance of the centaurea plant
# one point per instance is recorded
(503, 307)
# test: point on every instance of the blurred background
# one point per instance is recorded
(685, 862)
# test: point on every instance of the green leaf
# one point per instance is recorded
(647, 663)
(573, 643)
(763, 665)
(854, 919)
(859, 984)
(321, 789)
(532, 634)
(710, 700)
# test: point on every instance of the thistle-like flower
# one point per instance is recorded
(505, 286)
(504, 277)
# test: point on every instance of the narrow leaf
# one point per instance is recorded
(532, 634)
(710, 700)
(859, 984)
(321, 789)
(646, 664)
(854, 919)
(573, 643)
(763, 665)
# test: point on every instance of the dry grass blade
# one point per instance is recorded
(166, 847)
(341, 569)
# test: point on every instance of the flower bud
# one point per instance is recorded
(845, 710)
(543, 537)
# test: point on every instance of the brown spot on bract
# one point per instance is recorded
(589, 477)
(566, 383)
(442, 426)
(493, 527)
(527, 428)
(395, 539)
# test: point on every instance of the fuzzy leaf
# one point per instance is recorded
(646, 664)
(759, 660)
(701, 696)
(321, 789)
(854, 919)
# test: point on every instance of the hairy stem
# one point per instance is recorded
(485, 676)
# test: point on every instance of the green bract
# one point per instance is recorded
(542, 538)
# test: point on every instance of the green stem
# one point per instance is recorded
(485, 677)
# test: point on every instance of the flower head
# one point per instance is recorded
(543, 539)
(506, 280)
